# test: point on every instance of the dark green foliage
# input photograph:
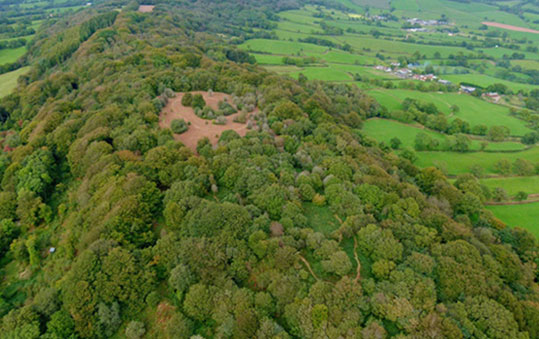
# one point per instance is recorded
(198, 101)
(187, 99)
(178, 126)
(226, 108)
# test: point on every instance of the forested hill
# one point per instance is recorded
(304, 228)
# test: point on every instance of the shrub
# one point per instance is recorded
(135, 330)
(499, 194)
(178, 126)
(221, 120)
(198, 101)
(187, 99)
(241, 118)
(395, 143)
(226, 108)
(520, 196)
(319, 200)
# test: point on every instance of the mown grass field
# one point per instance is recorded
(8, 81)
(525, 216)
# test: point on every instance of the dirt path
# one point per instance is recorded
(358, 269)
(308, 266)
(146, 8)
(199, 127)
(510, 27)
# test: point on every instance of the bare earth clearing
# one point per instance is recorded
(146, 8)
(512, 28)
(199, 127)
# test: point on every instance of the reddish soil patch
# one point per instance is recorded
(146, 8)
(199, 127)
(509, 27)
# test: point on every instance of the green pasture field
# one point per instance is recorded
(284, 69)
(473, 110)
(498, 53)
(341, 57)
(385, 130)
(339, 72)
(525, 216)
(284, 35)
(382, 4)
(519, 35)
(526, 64)
(11, 55)
(483, 80)
(513, 185)
(461, 13)
(268, 59)
(281, 47)
(398, 48)
(302, 16)
(328, 73)
(8, 81)
(297, 27)
(459, 163)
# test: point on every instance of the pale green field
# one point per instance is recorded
(483, 80)
(8, 81)
(525, 216)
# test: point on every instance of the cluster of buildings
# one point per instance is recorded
(416, 21)
(495, 97)
(407, 73)
(467, 89)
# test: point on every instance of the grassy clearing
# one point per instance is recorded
(459, 163)
(8, 81)
(320, 218)
(473, 110)
(525, 216)
(513, 185)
